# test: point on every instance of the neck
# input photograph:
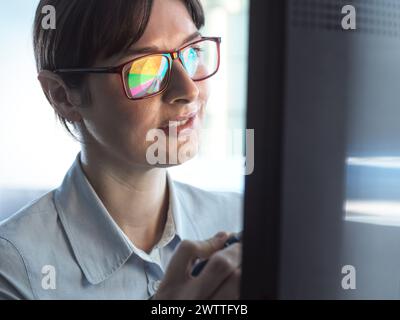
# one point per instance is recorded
(137, 198)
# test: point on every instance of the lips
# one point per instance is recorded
(180, 123)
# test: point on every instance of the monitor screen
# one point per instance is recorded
(322, 206)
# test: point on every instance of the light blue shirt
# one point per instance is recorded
(65, 245)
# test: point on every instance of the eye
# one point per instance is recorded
(198, 50)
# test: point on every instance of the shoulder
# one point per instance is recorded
(21, 235)
(211, 211)
(35, 216)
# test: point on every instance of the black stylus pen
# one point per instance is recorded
(231, 240)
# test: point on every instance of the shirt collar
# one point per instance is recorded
(99, 245)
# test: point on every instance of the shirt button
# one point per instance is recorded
(156, 285)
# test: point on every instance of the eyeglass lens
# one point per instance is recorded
(149, 75)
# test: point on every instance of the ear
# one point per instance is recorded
(62, 99)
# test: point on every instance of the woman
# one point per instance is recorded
(122, 73)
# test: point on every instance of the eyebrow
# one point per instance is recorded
(155, 49)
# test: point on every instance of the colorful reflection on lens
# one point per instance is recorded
(146, 75)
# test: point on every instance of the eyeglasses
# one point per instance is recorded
(149, 75)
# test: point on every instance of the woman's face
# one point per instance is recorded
(119, 126)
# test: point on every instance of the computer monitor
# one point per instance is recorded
(322, 208)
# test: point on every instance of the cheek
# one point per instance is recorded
(115, 121)
(112, 104)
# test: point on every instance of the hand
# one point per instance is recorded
(220, 278)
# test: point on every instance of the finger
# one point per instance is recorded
(230, 288)
(212, 245)
(189, 251)
(219, 267)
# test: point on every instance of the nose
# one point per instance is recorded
(181, 89)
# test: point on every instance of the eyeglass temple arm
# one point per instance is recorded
(90, 70)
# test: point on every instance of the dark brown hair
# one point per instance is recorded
(89, 29)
